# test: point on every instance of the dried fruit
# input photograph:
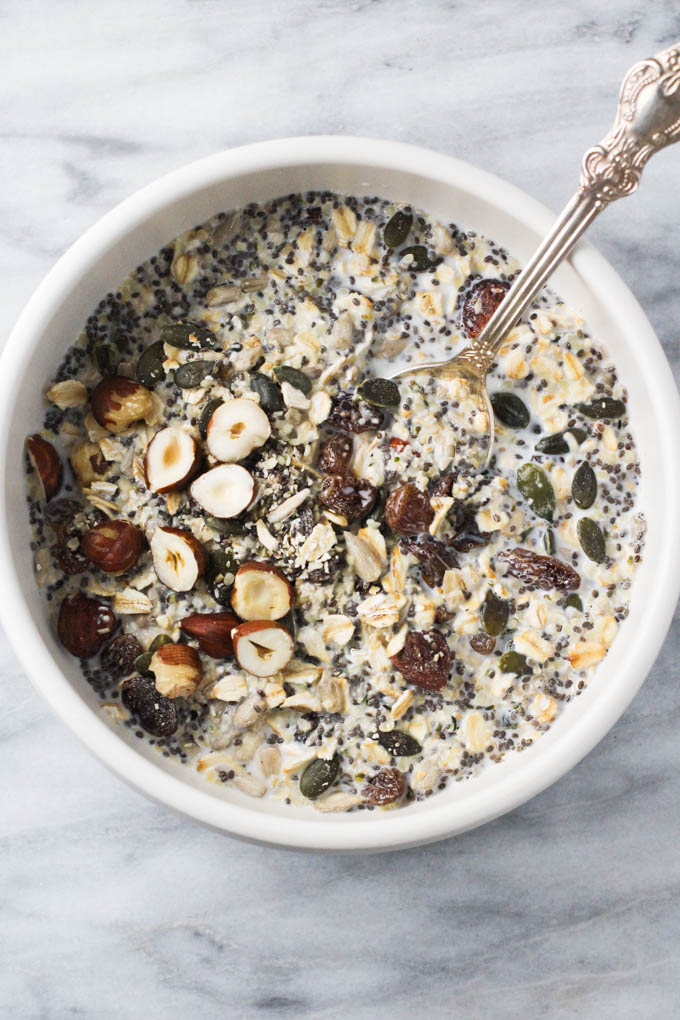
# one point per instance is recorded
(177, 670)
(399, 744)
(172, 459)
(319, 775)
(150, 369)
(536, 487)
(510, 410)
(206, 415)
(483, 643)
(47, 464)
(269, 392)
(294, 377)
(113, 546)
(236, 429)
(262, 647)
(380, 392)
(224, 491)
(513, 662)
(421, 260)
(156, 714)
(349, 415)
(351, 497)
(384, 787)
(557, 444)
(435, 556)
(261, 592)
(592, 539)
(603, 408)
(481, 301)
(119, 656)
(584, 486)
(408, 510)
(212, 631)
(118, 402)
(467, 535)
(193, 373)
(335, 453)
(494, 614)
(539, 571)
(188, 336)
(178, 558)
(397, 228)
(84, 625)
(425, 659)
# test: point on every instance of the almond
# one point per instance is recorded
(235, 429)
(177, 670)
(84, 625)
(47, 464)
(113, 546)
(118, 402)
(172, 459)
(212, 631)
(261, 592)
(224, 491)
(262, 647)
(178, 558)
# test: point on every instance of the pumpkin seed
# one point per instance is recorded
(557, 443)
(106, 358)
(494, 614)
(602, 408)
(584, 486)
(573, 601)
(159, 641)
(421, 258)
(294, 377)
(206, 414)
(380, 392)
(399, 744)
(193, 373)
(592, 540)
(226, 525)
(188, 336)
(510, 410)
(142, 663)
(398, 229)
(150, 365)
(219, 575)
(269, 392)
(513, 662)
(318, 776)
(535, 486)
(549, 542)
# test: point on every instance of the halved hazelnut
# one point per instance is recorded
(113, 546)
(118, 402)
(84, 625)
(178, 558)
(236, 428)
(177, 670)
(224, 491)
(172, 459)
(212, 631)
(262, 647)
(47, 464)
(88, 463)
(261, 592)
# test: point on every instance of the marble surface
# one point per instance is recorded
(113, 907)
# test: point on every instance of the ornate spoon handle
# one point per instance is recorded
(647, 119)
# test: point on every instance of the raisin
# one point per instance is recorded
(384, 787)
(408, 510)
(351, 497)
(59, 510)
(425, 659)
(69, 560)
(480, 303)
(349, 415)
(156, 713)
(118, 657)
(434, 556)
(443, 486)
(544, 572)
(483, 643)
(335, 453)
(467, 534)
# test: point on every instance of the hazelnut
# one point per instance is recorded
(224, 491)
(118, 402)
(113, 546)
(178, 558)
(261, 592)
(88, 463)
(172, 459)
(84, 625)
(262, 647)
(47, 464)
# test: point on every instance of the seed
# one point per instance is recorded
(535, 486)
(572, 601)
(318, 776)
(399, 744)
(159, 641)
(188, 336)
(549, 541)
(603, 408)
(193, 373)
(294, 377)
(398, 229)
(584, 486)
(206, 415)
(380, 392)
(269, 392)
(421, 259)
(106, 358)
(513, 662)
(591, 538)
(557, 443)
(494, 614)
(510, 410)
(150, 365)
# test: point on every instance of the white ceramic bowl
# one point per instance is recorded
(448, 189)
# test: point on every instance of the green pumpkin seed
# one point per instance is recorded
(510, 410)
(399, 744)
(557, 443)
(380, 392)
(150, 365)
(318, 776)
(572, 601)
(226, 525)
(398, 229)
(513, 662)
(603, 408)
(549, 542)
(206, 414)
(592, 540)
(219, 575)
(294, 377)
(584, 486)
(421, 258)
(494, 615)
(142, 663)
(106, 358)
(159, 641)
(535, 486)
(192, 374)
(269, 392)
(188, 336)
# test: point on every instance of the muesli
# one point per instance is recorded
(272, 560)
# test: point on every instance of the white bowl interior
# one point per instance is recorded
(451, 191)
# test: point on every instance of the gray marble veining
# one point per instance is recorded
(113, 907)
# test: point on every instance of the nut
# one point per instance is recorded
(172, 459)
(177, 670)
(88, 463)
(118, 402)
(224, 491)
(212, 631)
(178, 558)
(84, 625)
(235, 429)
(261, 592)
(47, 464)
(262, 647)
(113, 546)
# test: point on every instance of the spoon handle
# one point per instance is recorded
(647, 119)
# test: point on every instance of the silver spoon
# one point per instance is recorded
(647, 119)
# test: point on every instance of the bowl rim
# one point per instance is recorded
(394, 831)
